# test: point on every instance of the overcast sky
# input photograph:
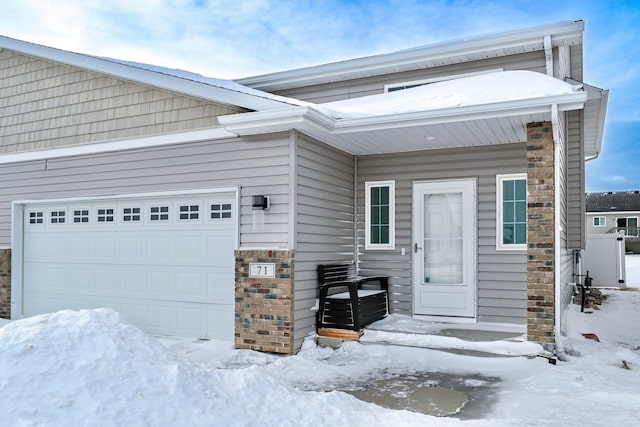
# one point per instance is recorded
(235, 38)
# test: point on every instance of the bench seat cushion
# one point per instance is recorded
(362, 293)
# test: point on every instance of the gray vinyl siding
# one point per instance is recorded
(502, 275)
(324, 226)
(256, 165)
(47, 104)
(534, 61)
(575, 182)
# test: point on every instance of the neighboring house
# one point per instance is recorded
(456, 169)
(613, 212)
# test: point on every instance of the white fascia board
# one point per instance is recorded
(177, 84)
(287, 119)
(526, 37)
(299, 117)
(456, 114)
(604, 102)
(119, 145)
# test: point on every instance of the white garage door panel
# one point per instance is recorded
(194, 284)
(173, 274)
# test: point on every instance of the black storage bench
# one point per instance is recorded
(350, 302)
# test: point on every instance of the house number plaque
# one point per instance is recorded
(261, 269)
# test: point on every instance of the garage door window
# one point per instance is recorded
(159, 213)
(106, 215)
(220, 211)
(131, 214)
(190, 212)
(81, 216)
(36, 217)
(57, 217)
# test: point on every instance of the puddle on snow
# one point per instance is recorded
(464, 397)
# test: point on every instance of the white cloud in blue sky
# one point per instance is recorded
(235, 38)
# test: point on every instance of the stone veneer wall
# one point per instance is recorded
(264, 306)
(540, 234)
(5, 283)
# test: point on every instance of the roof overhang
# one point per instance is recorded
(452, 52)
(472, 125)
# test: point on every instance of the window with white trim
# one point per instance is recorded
(380, 215)
(189, 212)
(36, 217)
(81, 216)
(105, 215)
(511, 212)
(220, 211)
(629, 225)
(415, 83)
(57, 217)
(599, 221)
(159, 213)
(131, 214)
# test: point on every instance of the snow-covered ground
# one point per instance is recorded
(92, 368)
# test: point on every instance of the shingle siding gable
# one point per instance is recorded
(45, 104)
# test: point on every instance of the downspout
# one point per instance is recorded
(556, 219)
(355, 211)
(548, 54)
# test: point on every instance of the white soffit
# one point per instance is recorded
(488, 109)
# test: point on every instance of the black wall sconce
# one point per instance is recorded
(261, 203)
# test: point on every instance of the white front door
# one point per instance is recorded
(444, 251)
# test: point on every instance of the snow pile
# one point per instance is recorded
(467, 91)
(91, 367)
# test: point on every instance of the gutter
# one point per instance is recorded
(557, 223)
(283, 119)
(377, 64)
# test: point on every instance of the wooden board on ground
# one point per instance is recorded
(343, 334)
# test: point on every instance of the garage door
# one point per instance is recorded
(165, 263)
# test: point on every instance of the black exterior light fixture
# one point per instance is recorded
(260, 203)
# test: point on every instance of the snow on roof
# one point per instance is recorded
(191, 84)
(613, 201)
(466, 91)
(211, 81)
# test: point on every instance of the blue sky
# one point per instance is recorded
(235, 38)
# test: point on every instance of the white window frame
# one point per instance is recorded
(423, 82)
(184, 202)
(230, 211)
(602, 221)
(159, 204)
(57, 210)
(72, 216)
(43, 218)
(392, 216)
(500, 246)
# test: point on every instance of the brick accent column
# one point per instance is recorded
(5, 283)
(540, 234)
(264, 306)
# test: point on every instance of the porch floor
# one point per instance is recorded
(476, 339)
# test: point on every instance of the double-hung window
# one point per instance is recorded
(511, 210)
(380, 215)
(599, 221)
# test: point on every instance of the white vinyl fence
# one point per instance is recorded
(604, 259)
